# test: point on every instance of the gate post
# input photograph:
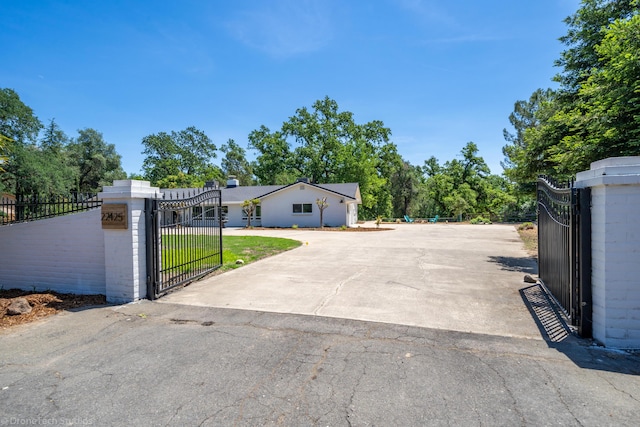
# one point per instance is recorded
(615, 249)
(123, 223)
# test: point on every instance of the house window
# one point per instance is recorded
(257, 213)
(196, 212)
(302, 208)
(210, 212)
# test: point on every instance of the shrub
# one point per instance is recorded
(526, 226)
(294, 226)
(480, 220)
(343, 227)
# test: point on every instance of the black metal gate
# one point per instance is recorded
(184, 239)
(564, 248)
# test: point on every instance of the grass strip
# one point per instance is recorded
(178, 251)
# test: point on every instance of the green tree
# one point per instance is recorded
(406, 188)
(461, 201)
(326, 145)
(17, 120)
(249, 207)
(272, 165)
(96, 161)
(594, 114)
(19, 127)
(4, 152)
(42, 168)
(59, 173)
(610, 109)
(438, 187)
(180, 158)
(431, 167)
(586, 30)
(524, 159)
(235, 163)
(465, 186)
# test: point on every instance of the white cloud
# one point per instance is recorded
(284, 28)
(429, 11)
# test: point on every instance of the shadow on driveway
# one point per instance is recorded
(554, 327)
(523, 265)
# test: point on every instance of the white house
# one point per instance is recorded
(283, 205)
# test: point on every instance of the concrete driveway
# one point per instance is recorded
(162, 364)
(446, 276)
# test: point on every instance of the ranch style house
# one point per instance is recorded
(280, 205)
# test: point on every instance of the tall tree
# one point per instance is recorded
(463, 187)
(181, 158)
(594, 113)
(326, 144)
(523, 160)
(17, 121)
(57, 165)
(97, 162)
(406, 186)
(19, 127)
(586, 30)
(273, 163)
(4, 151)
(235, 163)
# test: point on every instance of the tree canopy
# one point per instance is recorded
(45, 160)
(179, 159)
(235, 163)
(595, 113)
(328, 146)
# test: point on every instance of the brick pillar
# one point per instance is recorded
(615, 249)
(124, 244)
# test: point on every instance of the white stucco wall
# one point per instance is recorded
(234, 216)
(63, 254)
(615, 250)
(277, 209)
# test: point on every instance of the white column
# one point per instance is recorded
(125, 249)
(615, 249)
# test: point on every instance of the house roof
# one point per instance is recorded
(239, 194)
(349, 190)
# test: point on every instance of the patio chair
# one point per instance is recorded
(434, 219)
(406, 218)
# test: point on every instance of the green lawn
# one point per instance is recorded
(252, 248)
(181, 249)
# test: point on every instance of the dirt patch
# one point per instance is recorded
(529, 237)
(42, 304)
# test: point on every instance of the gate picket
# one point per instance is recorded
(564, 248)
(184, 238)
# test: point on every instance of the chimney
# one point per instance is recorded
(304, 180)
(211, 184)
(232, 182)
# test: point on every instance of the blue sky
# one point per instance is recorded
(437, 73)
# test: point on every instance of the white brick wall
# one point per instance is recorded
(125, 250)
(64, 254)
(615, 250)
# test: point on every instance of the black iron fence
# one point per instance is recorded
(564, 248)
(184, 239)
(32, 207)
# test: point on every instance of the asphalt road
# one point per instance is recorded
(149, 364)
(447, 276)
